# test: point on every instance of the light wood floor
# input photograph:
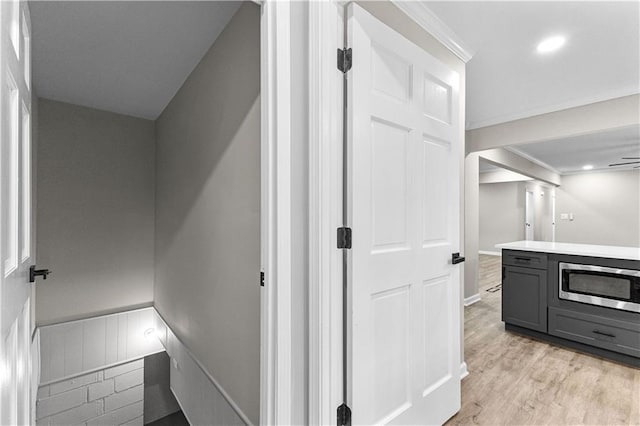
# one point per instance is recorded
(515, 380)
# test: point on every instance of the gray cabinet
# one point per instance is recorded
(531, 306)
(524, 297)
(603, 332)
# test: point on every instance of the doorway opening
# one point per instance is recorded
(147, 192)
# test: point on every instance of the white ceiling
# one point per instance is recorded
(507, 79)
(125, 57)
(599, 150)
(131, 57)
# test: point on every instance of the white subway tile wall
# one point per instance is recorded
(113, 396)
(129, 380)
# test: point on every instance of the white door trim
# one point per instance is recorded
(325, 211)
(325, 206)
(529, 215)
(275, 321)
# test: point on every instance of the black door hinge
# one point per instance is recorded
(261, 279)
(344, 415)
(344, 59)
(344, 238)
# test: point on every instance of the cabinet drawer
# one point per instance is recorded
(606, 333)
(525, 259)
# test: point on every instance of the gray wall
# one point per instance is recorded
(502, 212)
(159, 401)
(208, 211)
(95, 181)
(606, 208)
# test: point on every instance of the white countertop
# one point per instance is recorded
(613, 252)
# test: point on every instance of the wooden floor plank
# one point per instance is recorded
(515, 380)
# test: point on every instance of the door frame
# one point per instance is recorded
(529, 213)
(326, 35)
(324, 203)
(325, 85)
(275, 214)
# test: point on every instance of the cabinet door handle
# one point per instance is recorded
(602, 333)
(525, 259)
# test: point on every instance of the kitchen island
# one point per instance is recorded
(586, 297)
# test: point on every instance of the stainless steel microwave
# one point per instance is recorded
(599, 285)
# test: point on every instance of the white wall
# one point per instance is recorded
(95, 196)
(606, 208)
(208, 211)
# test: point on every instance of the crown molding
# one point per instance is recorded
(418, 12)
(607, 96)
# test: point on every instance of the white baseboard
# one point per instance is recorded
(191, 384)
(468, 301)
(490, 253)
(463, 370)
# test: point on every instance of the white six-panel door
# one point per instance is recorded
(15, 214)
(404, 151)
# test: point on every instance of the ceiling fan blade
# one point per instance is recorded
(624, 164)
(631, 158)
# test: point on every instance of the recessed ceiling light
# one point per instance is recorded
(587, 167)
(550, 44)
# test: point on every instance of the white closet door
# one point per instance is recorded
(16, 233)
(404, 151)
